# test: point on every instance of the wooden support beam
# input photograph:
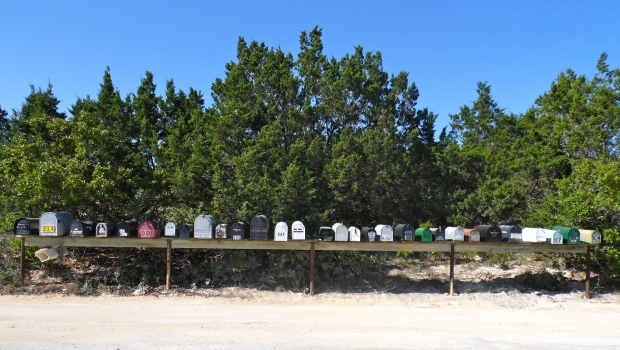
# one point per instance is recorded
(451, 269)
(588, 296)
(312, 269)
(168, 263)
(22, 262)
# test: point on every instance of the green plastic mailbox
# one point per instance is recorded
(423, 235)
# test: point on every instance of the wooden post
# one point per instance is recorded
(22, 262)
(451, 269)
(588, 272)
(168, 264)
(312, 269)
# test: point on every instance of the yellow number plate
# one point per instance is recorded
(48, 228)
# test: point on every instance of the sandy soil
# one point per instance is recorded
(232, 318)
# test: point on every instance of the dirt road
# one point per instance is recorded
(245, 319)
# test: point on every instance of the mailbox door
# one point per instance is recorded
(298, 231)
(408, 233)
(326, 233)
(221, 231)
(440, 235)
(77, 229)
(203, 228)
(101, 230)
(341, 233)
(354, 234)
(259, 228)
(280, 233)
(170, 230)
(238, 231)
(148, 229)
(48, 224)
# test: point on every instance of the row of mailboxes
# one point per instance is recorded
(207, 227)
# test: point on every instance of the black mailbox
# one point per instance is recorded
(81, 228)
(511, 234)
(491, 234)
(26, 226)
(105, 229)
(127, 229)
(439, 234)
(237, 231)
(326, 233)
(221, 231)
(403, 232)
(369, 235)
(186, 231)
(259, 228)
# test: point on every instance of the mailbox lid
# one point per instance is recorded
(569, 234)
(127, 229)
(355, 235)
(204, 226)
(423, 234)
(369, 234)
(26, 226)
(471, 234)
(341, 233)
(385, 233)
(404, 232)
(590, 236)
(170, 230)
(149, 229)
(280, 232)
(438, 233)
(186, 231)
(237, 231)
(221, 231)
(490, 233)
(259, 227)
(553, 236)
(298, 231)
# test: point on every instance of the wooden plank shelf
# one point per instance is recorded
(193, 243)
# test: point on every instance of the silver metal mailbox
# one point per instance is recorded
(298, 231)
(280, 233)
(204, 227)
(341, 232)
(55, 224)
(553, 236)
(170, 230)
(354, 234)
(221, 231)
(385, 233)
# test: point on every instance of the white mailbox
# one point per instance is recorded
(354, 234)
(280, 233)
(533, 235)
(170, 230)
(454, 233)
(55, 224)
(204, 227)
(590, 236)
(553, 236)
(385, 233)
(341, 232)
(298, 231)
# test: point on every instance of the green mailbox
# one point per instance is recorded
(570, 234)
(423, 235)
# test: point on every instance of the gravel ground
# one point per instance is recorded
(234, 318)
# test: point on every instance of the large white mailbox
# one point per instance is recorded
(533, 235)
(204, 227)
(341, 232)
(454, 233)
(354, 234)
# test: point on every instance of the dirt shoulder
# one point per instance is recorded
(235, 318)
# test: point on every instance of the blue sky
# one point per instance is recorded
(518, 47)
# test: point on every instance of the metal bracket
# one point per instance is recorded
(61, 252)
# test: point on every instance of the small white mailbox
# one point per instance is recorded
(170, 229)
(454, 233)
(298, 231)
(204, 227)
(354, 234)
(341, 232)
(280, 233)
(385, 233)
(553, 236)
(533, 235)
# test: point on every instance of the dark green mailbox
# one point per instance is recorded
(423, 235)
(569, 234)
